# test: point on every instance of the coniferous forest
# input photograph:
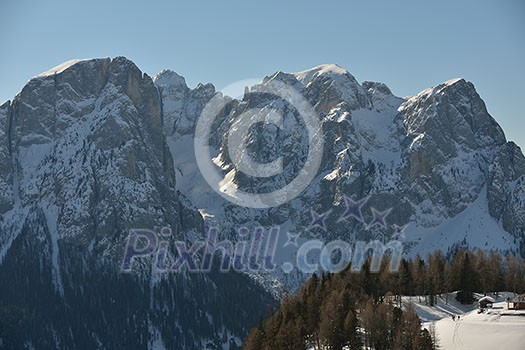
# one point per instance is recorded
(354, 309)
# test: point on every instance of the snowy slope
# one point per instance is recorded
(495, 328)
(60, 68)
(473, 228)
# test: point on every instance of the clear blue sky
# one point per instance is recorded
(409, 45)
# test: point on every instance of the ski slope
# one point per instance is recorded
(496, 328)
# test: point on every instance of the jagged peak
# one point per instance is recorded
(454, 102)
(209, 87)
(453, 81)
(337, 80)
(122, 60)
(330, 69)
(373, 86)
(455, 85)
(447, 85)
(284, 77)
(169, 78)
(121, 64)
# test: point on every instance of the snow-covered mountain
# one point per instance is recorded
(93, 148)
(437, 160)
(83, 160)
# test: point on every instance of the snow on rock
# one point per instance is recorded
(453, 81)
(330, 83)
(61, 67)
(432, 158)
(472, 228)
(117, 134)
(51, 213)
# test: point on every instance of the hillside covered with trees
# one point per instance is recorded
(354, 309)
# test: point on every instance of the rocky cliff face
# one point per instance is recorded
(83, 160)
(88, 148)
(93, 148)
(506, 189)
(6, 179)
(438, 160)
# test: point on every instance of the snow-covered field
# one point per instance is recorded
(496, 328)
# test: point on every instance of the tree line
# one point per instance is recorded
(354, 309)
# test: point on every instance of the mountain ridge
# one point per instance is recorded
(177, 114)
(84, 160)
(96, 147)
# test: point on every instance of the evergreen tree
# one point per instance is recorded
(350, 310)
(331, 330)
(404, 279)
(255, 340)
(468, 279)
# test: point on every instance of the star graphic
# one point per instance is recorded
(379, 217)
(318, 220)
(292, 239)
(399, 231)
(353, 209)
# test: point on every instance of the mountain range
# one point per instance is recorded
(94, 148)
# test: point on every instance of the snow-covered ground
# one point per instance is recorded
(496, 328)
